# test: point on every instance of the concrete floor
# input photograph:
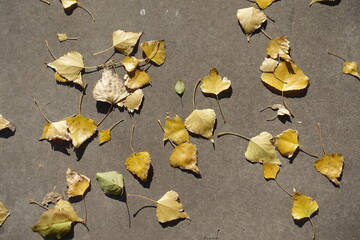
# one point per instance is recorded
(232, 195)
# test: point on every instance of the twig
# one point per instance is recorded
(308, 151)
(235, 134)
(81, 98)
(48, 47)
(194, 91)
(115, 124)
(267, 35)
(107, 114)
(321, 139)
(342, 58)
(172, 144)
(37, 105)
(39, 204)
(283, 188)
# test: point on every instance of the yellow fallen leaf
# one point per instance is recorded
(68, 3)
(5, 124)
(137, 79)
(169, 208)
(213, 84)
(77, 184)
(331, 166)
(269, 65)
(286, 77)
(270, 170)
(64, 205)
(59, 78)
(69, 66)
(303, 206)
(351, 68)
(315, 1)
(81, 129)
(4, 213)
(175, 130)
(250, 19)
(124, 41)
(261, 149)
(154, 51)
(104, 136)
(287, 142)
(63, 37)
(184, 156)
(133, 101)
(201, 122)
(130, 63)
(56, 131)
(110, 88)
(139, 164)
(264, 3)
(279, 47)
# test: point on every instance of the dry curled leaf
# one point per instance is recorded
(110, 88)
(137, 79)
(104, 136)
(184, 156)
(51, 197)
(279, 47)
(77, 184)
(271, 170)
(268, 65)
(213, 84)
(154, 51)
(130, 63)
(169, 208)
(331, 166)
(139, 164)
(250, 19)
(261, 149)
(303, 206)
(201, 122)
(4, 213)
(264, 3)
(5, 124)
(351, 68)
(124, 41)
(287, 142)
(56, 131)
(81, 129)
(175, 130)
(281, 110)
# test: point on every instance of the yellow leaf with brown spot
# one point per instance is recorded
(56, 131)
(184, 156)
(351, 68)
(69, 66)
(154, 51)
(201, 122)
(279, 47)
(4, 213)
(303, 206)
(130, 63)
(77, 184)
(250, 19)
(287, 142)
(139, 164)
(271, 170)
(104, 136)
(124, 41)
(81, 129)
(169, 208)
(137, 79)
(175, 130)
(286, 77)
(331, 166)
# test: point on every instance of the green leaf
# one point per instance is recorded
(112, 183)
(180, 87)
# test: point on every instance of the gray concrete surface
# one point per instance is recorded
(232, 195)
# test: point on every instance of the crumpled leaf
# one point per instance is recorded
(154, 51)
(62, 37)
(201, 122)
(269, 65)
(112, 183)
(69, 66)
(139, 164)
(51, 197)
(5, 124)
(131, 63)
(287, 142)
(351, 68)
(104, 136)
(4, 213)
(137, 79)
(264, 3)
(315, 1)
(169, 208)
(180, 87)
(331, 166)
(124, 41)
(77, 184)
(133, 101)
(57, 221)
(110, 88)
(56, 131)
(81, 129)
(213, 83)
(286, 77)
(175, 130)
(250, 19)
(261, 149)
(271, 170)
(184, 156)
(303, 206)
(279, 47)
(281, 110)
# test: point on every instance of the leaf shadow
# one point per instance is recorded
(68, 11)
(70, 84)
(79, 152)
(290, 94)
(60, 146)
(147, 183)
(102, 107)
(334, 3)
(263, 26)
(300, 223)
(7, 132)
(292, 158)
(198, 176)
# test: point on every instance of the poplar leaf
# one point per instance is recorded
(169, 208)
(68, 3)
(180, 87)
(111, 183)
(264, 3)
(175, 130)
(56, 131)
(5, 124)
(184, 156)
(64, 205)
(124, 41)
(137, 79)
(351, 68)
(303, 206)
(130, 63)
(279, 47)
(331, 166)
(269, 65)
(4, 213)
(271, 170)
(250, 19)
(287, 142)
(77, 184)
(213, 83)
(104, 136)
(261, 149)
(81, 129)
(201, 122)
(154, 51)
(139, 164)
(133, 101)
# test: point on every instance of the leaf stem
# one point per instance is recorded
(267, 35)
(45, 1)
(321, 138)
(94, 54)
(85, 210)
(221, 111)
(71, 38)
(37, 105)
(131, 138)
(235, 134)
(107, 114)
(157, 49)
(313, 227)
(308, 151)
(81, 98)
(194, 91)
(39, 204)
(285, 104)
(172, 144)
(283, 188)
(86, 10)
(140, 196)
(115, 124)
(48, 47)
(342, 58)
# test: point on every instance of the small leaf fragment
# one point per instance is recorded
(104, 136)
(287, 142)
(175, 130)
(279, 47)
(261, 149)
(269, 65)
(62, 37)
(4, 213)
(69, 66)
(51, 197)
(81, 129)
(68, 3)
(303, 206)
(331, 166)
(184, 156)
(201, 122)
(137, 79)
(351, 68)
(131, 63)
(271, 170)
(111, 183)
(250, 19)
(124, 41)
(281, 110)
(264, 3)
(77, 184)
(139, 164)
(180, 87)
(5, 124)
(154, 51)
(169, 208)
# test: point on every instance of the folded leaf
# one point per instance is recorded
(5, 124)
(154, 51)
(56, 131)
(69, 65)
(133, 101)
(112, 183)
(137, 79)
(131, 63)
